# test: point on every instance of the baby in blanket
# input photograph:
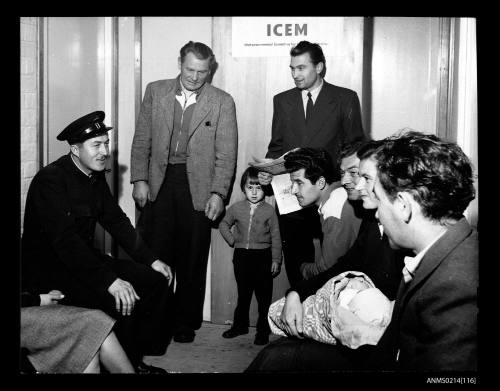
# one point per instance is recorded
(348, 309)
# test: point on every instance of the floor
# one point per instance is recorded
(209, 353)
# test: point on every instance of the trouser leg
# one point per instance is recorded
(244, 275)
(263, 288)
(154, 322)
(306, 355)
(298, 229)
(147, 325)
(80, 295)
(181, 236)
(192, 236)
(156, 224)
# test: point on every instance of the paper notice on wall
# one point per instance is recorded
(282, 188)
(275, 36)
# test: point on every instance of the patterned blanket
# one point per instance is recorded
(348, 309)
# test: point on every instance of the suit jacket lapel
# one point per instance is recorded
(324, 106)
(297, 116)
(434, 256)
(167, 103)
(201, 109)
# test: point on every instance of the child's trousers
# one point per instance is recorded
(252, 270)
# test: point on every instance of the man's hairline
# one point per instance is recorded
(304, 176)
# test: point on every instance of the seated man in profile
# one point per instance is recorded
(312, 173)
(423, 186)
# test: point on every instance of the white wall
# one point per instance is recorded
(163, 37)
(466, 104)
(29, 107)
(126, 112)
(404, 75)
(75, 75)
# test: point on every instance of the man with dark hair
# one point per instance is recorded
(314, 114)
(315, 54)
(370, 254)
(65, 201)
(182, 164)
(312, 175)
(423, 186)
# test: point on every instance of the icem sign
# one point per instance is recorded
(287, 29)
(275, 36)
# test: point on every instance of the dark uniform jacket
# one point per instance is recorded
(63, 206)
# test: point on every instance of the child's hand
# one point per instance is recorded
(275, 268)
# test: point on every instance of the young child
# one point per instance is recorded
(257, 254)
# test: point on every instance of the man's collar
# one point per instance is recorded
(78, 166)
(411, 263)
(325, 195)
(315, 91)
(180, 88)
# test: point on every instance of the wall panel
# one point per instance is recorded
(405, 75)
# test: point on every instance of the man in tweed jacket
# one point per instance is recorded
(182, 164)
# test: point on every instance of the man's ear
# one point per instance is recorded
(321, 182)
(179, 63)
(75, 150)
(319, 67)
(405, 205)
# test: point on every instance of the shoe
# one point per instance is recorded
(232, 332)
(261, 339)
(144, 369)
(184, 336)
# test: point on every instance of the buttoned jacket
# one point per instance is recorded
(63, 206)
(335, 119)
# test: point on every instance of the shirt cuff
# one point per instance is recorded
(219, 194)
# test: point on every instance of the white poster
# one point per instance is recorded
(275, 36)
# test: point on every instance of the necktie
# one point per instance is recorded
(309, 106)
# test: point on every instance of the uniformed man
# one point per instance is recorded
(65, 201)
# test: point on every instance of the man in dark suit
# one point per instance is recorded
(315, 114)
(65, 201)
(423, 186)
(182, 164)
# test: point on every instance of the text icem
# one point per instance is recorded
(286, 29)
